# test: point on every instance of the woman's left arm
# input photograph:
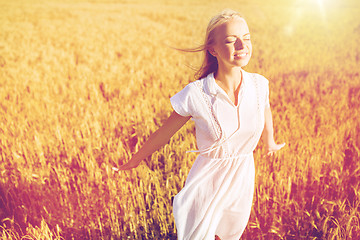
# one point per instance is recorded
(268, 134)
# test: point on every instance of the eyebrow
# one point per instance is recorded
(236, 35)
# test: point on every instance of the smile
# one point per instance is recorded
(240, 54)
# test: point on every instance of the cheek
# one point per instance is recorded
(250, 47)
(250, 50)
(225, 51)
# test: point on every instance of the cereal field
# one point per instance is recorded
(84, 83)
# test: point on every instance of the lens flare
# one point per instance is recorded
(301, 7)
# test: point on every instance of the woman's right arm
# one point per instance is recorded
(157, 140)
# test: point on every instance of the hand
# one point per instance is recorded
(127, 166)
(274, 148)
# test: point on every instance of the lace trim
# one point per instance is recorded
(258, 104)
(218, 129)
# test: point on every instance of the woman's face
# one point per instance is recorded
(232, 46)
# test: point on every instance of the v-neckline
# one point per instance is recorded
(238, 91)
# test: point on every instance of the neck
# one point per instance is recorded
(230, 79)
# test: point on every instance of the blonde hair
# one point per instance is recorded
(210, 63)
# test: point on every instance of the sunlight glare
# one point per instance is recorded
(301, 6)
(320, 4)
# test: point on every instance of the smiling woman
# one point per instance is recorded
(232, 45)
(78, 98)
(217, 197)
(232, 48)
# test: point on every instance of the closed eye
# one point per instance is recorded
(230, 40)
(247, 37)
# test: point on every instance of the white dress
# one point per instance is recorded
(218, 192)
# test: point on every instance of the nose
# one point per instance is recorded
(239, 44)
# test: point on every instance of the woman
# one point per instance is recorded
(230, 108)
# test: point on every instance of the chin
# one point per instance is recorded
(242, 63)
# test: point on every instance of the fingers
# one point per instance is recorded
(121, 168)
(282, 145)
(274, 149)
(126, 166)
(270, 153)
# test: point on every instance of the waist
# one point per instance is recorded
(227, 157)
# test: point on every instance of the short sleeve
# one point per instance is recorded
(182, 101)
(264, 83)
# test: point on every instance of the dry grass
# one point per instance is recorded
(83, 84)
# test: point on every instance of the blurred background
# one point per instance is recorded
(84, 83)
